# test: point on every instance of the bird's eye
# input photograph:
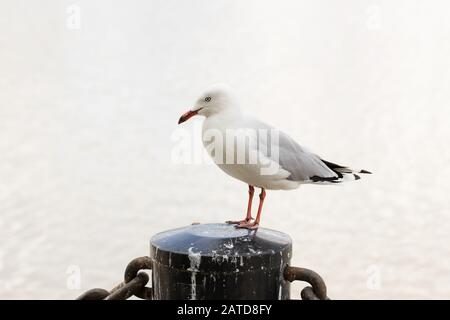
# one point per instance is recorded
(207, 99)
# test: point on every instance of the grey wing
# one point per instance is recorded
(302, 164)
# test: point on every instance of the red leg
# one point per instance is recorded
(248, 218)
(254, 225)
(262, 196)
(251, 192)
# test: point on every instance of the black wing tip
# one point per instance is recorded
(325, 179)
(356, 177)
(365, 172)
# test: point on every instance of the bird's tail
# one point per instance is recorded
(345, 173)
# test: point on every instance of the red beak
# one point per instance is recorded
(188, 115)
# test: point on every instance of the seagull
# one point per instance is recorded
(256, 153)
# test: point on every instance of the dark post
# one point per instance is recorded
(218, 261)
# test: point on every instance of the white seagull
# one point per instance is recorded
(257, 153)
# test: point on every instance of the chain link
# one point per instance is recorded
(94, 294)
(134, 284)
(317, 290)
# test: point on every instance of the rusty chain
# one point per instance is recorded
(317, 290)
(134, 284)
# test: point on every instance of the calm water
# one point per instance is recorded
(88, 110)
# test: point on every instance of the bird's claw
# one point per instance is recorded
(248, 225)
(240, 222)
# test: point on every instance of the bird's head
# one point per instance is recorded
(216, 99)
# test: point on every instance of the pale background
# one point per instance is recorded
(88, 108)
